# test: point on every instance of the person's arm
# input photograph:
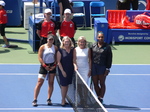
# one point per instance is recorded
(40, 55)
(61, 10)
(56, 26)
(38, 27)
(56, 50)
(75, 27)
(60, 65)
(38, 33)
(109, 61)
(74, 60)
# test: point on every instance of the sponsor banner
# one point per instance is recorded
(131, 36)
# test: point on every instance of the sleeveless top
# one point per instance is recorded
(48, 54)
(82, 62)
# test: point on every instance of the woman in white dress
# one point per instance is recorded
(82, 58)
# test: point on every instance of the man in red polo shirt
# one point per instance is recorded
(3, 21)
(67, 27)
(45, 26)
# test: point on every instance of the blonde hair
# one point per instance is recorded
(82, 38)
(65, 38)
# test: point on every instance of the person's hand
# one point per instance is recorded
(64, 74)
(47, 68)
(75, 68)
(106, 72)
(51, 68)
(89, 74)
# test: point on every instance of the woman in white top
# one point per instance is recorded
(47, 58)
(82, 58)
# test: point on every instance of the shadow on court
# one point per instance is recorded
(121, 107)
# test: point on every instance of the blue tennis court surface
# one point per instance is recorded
(128, 89)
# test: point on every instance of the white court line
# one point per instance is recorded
(131, 64)
(70, 108)
(39, 64)
(129, 74)
(36, 108)
(19, 64)
(37, 74)
(128, 109)
(18, 73)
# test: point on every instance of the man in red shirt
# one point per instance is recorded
(67, 27)
(3, 21)
(45, 26)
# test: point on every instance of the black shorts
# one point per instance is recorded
(44, 71)
(43, 40)
(98, 69)
(2, 29)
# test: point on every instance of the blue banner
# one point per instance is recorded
(128, 35)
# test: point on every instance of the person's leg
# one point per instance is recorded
(2, 30)
(61, 11)
(50, 85)
(134, 4)
(43, 40)
(119, 5)
(57, 42)
(64, 90)
(102, 79)
(96, 84)
(38, 86)
(5, 40)
(126, 5)
(74, 42)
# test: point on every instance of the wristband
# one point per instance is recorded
(44, 65)
(54, 65)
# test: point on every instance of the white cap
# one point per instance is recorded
(67, 11)
(48, 11)
(2, 3)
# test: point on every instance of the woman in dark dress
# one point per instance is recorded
(65, 66)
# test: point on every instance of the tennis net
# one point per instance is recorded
(81, 97)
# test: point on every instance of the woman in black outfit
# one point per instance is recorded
(101, 64)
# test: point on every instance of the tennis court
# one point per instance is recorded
(127, 89)
(127, 85)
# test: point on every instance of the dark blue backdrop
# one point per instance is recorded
(15, 11)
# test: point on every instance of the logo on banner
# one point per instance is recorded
(102, 25)
(9, 11)
(120, 37)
